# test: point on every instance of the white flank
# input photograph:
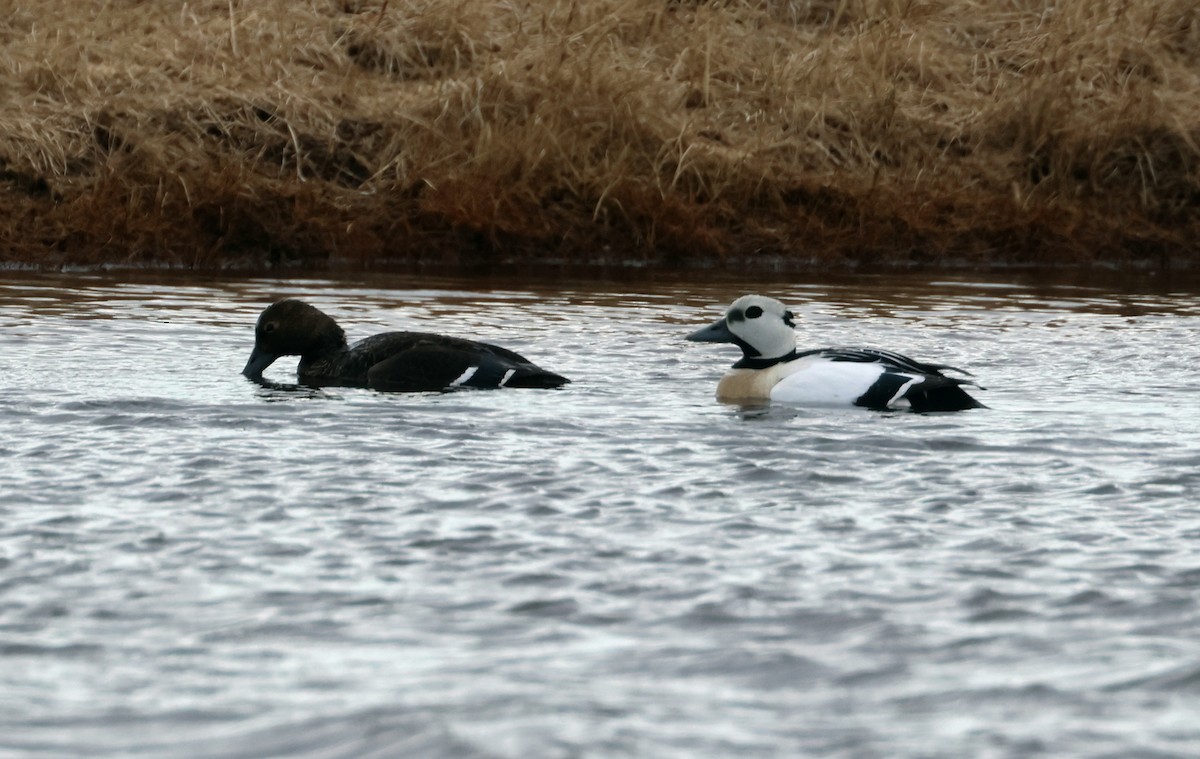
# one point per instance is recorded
(507, 376)
(820, 382)
(468, 374)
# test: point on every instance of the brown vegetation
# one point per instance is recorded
(219, 132)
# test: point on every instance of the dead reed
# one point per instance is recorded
(822, 132)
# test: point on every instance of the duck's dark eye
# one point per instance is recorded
(753, 312)
(269, 327)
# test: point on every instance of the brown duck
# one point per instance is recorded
(393, 361)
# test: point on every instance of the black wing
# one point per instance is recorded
(415, 362)
(890, 359)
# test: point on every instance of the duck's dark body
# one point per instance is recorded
(393, 361)
(416, 361)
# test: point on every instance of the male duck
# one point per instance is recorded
(397, 361)
(772, 369)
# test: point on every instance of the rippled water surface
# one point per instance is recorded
(192, 565)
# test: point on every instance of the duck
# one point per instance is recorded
(772, 369)
(390, 361)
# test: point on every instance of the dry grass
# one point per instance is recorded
(821, 132)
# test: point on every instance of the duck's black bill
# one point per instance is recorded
(259, 361)
(717, 332)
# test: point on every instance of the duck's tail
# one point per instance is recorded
(939, 396)
(532, 376)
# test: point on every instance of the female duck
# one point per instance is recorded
(397, 361)
(772, 369)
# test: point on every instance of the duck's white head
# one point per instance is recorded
(762, 327)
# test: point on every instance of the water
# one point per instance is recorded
(195, 566)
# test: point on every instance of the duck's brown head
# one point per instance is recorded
(292, 328)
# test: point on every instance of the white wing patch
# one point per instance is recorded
(895, 402)
(468, 374)
(507, 376)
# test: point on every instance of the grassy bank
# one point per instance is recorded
(223, 132)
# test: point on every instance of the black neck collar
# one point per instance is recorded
(758, 362)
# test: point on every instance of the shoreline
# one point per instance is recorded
(746, 135)
(544, 274)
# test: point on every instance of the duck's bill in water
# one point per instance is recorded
(258, 363)
(717, 332)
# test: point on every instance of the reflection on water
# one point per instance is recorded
(192, 564)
